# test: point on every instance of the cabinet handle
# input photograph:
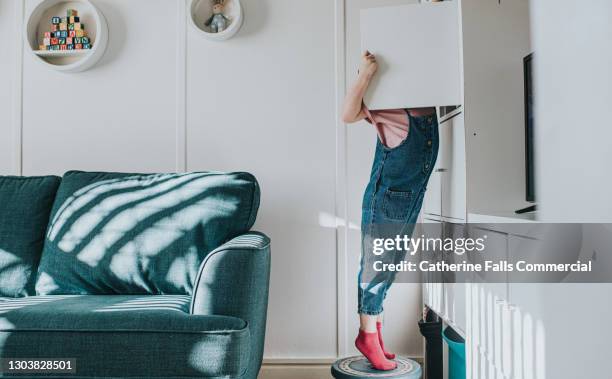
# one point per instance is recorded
(441, 170)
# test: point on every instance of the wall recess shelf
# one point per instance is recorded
(201, 10)
(38, 22)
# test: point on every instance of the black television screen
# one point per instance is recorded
(529, 128)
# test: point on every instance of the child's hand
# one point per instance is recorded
(369, 66)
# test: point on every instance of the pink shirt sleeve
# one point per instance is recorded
(391, 124)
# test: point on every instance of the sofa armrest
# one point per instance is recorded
(233, 280)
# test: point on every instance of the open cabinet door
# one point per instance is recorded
(418, 50)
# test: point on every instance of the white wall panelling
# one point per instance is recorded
(10, 87)
(266, 101)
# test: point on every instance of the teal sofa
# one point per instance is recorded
(133, 275)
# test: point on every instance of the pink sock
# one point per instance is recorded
(382, 344)
(367, 344)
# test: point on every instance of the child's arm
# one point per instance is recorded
(353, 111)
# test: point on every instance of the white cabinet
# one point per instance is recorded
(395, 34)
(453, 178)
(445, 196)
(482, 168)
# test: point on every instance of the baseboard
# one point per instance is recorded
(300, 368)
(294, 371)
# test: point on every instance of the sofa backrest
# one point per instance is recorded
(113, 233)
(25, 206)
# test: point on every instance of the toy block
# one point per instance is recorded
(63, 26)
(78, 46)
(80, 33)
(63, 34)
(61, 41)
(47, 34)
(54, 27)
(72, 33)
(85, 40)
(76, 40)
(55, 47)
(54, 41)
(78, 26)
(63, 47)
(72, 13)
(73, 19)
(42, 47)
(47, 41)
(70, 26)
(55, 20)
(49, 47)
(86, 46)
(70, 47)
(69, 41)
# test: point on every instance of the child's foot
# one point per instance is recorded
(380, 340)
(367, 344)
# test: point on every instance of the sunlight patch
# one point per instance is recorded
(85, 224)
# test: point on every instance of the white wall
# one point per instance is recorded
(120, 115)
(164, 99)
(8, 59)
(264, 102)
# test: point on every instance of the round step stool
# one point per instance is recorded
(360, 368)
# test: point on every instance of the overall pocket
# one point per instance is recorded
(397, 204)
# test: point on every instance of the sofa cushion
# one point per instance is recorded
(140, 233)
(25, 205)
(124, 336)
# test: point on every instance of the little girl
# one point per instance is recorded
(406, 151)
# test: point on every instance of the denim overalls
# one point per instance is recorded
(392, 202)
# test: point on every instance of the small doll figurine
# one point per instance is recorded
(218, 22)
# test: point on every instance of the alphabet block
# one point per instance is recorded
(42, 47)
(78, 46)
(80, 33)
(48, 35)
(55, 20)
(86, 46)
(78, 26)
(54, 41)
(85, 40)
(69, 41)
(54, 27)
(72, 33)
(47, 41)
(63, 47)
(63, 34)
(73, 19)
(77, 40)
(72, 13)
(70, 26)
(63, 26)
(61, 41)
(70, 47)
